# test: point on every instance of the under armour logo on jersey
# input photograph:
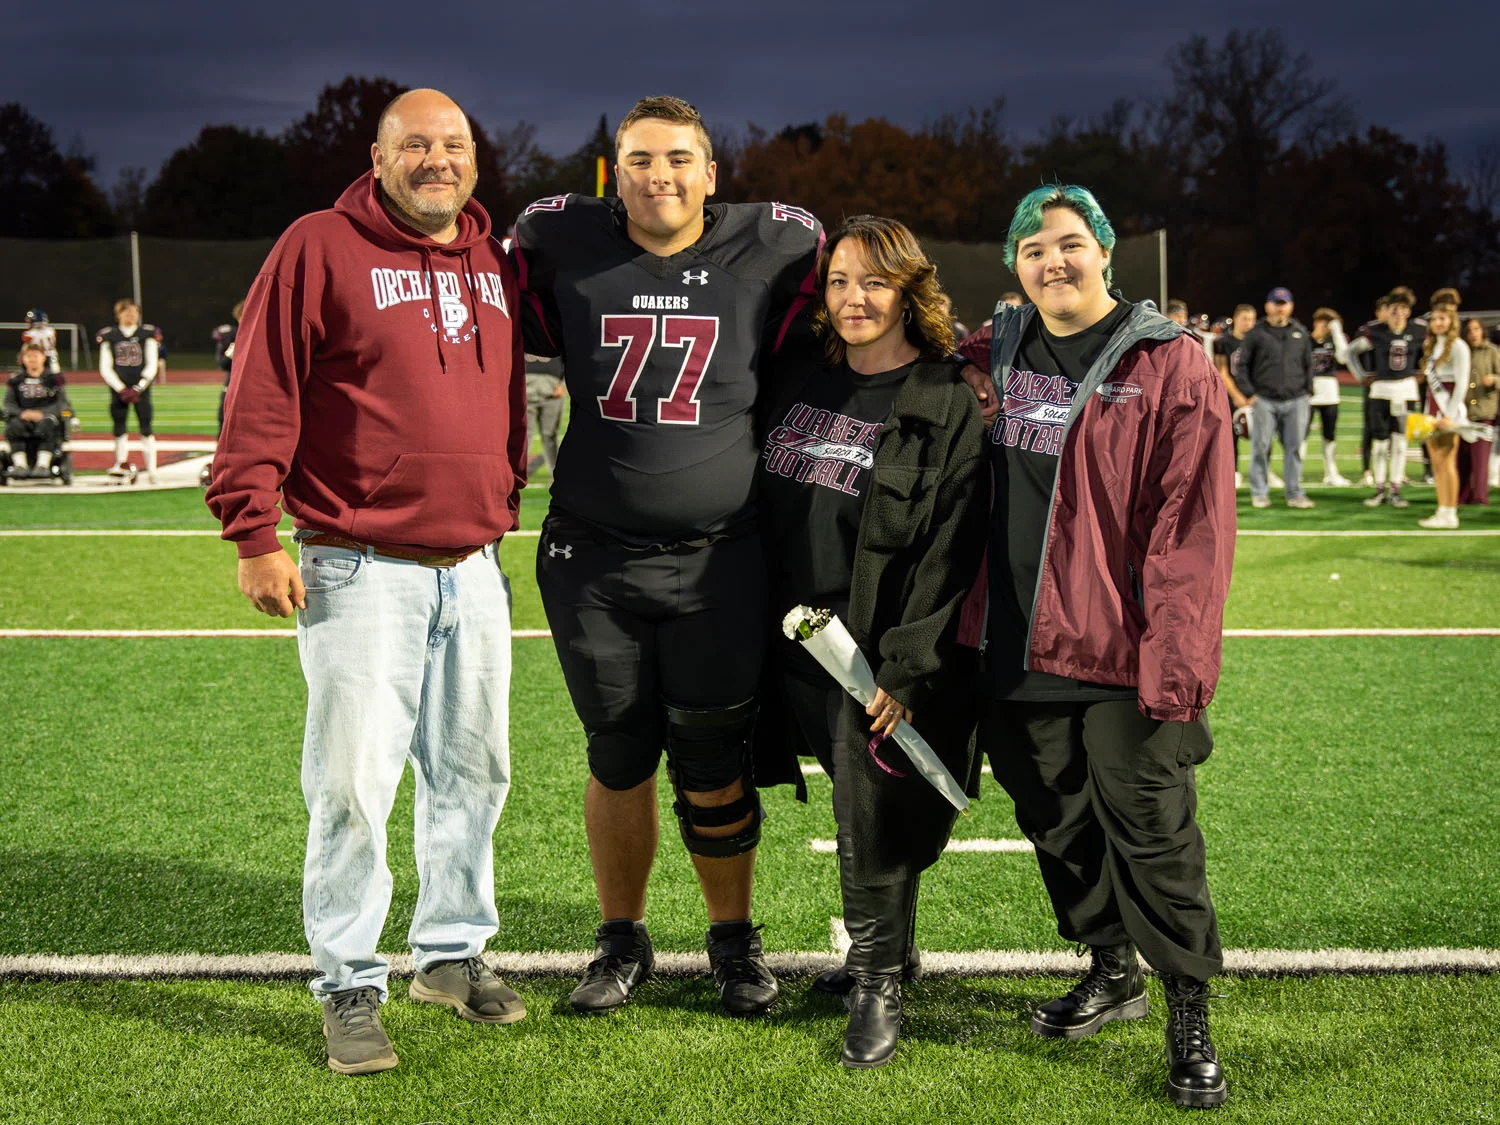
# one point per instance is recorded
(701, 277)
(553, 550)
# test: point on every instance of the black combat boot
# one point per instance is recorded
(838, 982)
(1194, 1077)
(1114, 988)
(879, 923)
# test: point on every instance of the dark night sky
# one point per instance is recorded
(134, 82)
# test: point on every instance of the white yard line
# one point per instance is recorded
(838, 936)
(90, 533)
(972, 845)
(262, 966)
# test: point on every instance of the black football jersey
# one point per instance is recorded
(1396, 355)
(662, 356)
(44, 393)
(1228, 346)
(129, 352)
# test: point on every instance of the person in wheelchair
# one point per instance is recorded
(37, 416)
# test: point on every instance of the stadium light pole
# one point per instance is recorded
(135, 267)
(1161, 262)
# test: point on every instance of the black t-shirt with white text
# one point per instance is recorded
(1025, 446)
(813, 475)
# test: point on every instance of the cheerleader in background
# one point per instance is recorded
(1445, 362)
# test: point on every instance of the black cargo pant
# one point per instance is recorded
(1108, 798)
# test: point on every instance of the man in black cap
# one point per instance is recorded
(1275, 374)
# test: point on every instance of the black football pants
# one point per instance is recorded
(1108, 798)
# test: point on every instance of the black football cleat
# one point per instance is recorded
(622, 960)
(746, 985)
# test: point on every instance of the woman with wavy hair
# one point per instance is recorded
(1445, 362)
(874, 499)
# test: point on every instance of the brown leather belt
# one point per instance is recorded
(333, 539)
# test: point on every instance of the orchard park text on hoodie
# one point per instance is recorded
(395, 287)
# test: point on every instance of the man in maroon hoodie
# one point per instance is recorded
(380, 397)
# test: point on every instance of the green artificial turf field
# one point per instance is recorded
(152, 810)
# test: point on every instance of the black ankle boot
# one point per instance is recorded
(874, 1021)
(1114, 988)
(1194, 1077)
(879, 923)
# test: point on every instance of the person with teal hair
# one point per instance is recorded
(1030, 215)
(1111, 542)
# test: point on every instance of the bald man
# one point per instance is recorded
(379, 398)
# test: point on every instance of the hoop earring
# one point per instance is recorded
(906, 315)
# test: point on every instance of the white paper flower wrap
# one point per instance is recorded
(831, 646)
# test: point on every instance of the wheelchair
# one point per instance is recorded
(61, 469)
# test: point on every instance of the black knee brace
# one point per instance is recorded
(708, 751)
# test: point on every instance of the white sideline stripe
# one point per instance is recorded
(992, 962)
(166, 445)
(1474, 533)
(973, 845)
(138, 634)
(810, 768)
(90, 533)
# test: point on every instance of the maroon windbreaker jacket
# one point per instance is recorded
(1140, 537)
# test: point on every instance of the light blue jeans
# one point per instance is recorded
(1286, 419)
(403, 663)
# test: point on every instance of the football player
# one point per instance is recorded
(1225, 348)
(663, 309)
(128, 363)
(40, 331)
(1394, 347)
(224, 336)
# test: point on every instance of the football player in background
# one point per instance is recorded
(224, 351)
(1395, 348)
(1226, 350)
(663, 309)
(128, 358)
(39, 331)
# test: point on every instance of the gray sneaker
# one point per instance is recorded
(1302, 502)
(470, 989)
(357, 1044)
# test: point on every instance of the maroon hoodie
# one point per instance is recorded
(379, 386)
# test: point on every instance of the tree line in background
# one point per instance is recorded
(1258, 170)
